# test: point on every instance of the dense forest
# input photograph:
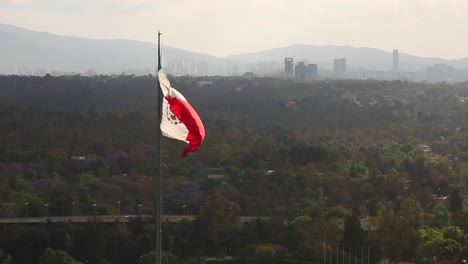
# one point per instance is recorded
(334, 170)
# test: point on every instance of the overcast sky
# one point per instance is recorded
(223, 27)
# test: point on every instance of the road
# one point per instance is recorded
(101, 218)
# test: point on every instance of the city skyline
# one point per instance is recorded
(424, 28)
(131, 57)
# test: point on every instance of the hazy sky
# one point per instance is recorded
(223, 27)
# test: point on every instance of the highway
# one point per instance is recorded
(101, 219)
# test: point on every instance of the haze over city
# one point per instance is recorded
(419, 27)
(256, 132)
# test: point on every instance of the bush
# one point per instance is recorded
(265, 251)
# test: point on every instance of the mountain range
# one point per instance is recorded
(357, 58)
(20, 47)
(25, 48)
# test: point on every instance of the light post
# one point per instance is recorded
(119, 202)
(46, 209)
(26, 208)
(139, 208)
(183, 209)
(94, 209)
(162, 206)
(73, 208)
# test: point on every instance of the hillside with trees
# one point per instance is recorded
(348, 170)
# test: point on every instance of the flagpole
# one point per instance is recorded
(158, 202)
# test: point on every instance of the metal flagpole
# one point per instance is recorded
(362, 255)
(368, 255)
(349, 254)
(158, 202)
(344, 254)
(337, 256)
(355, 254)
(325, 253)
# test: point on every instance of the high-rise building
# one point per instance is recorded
(439, 72)
(300, 72)
(339, 67)
(233, 70)
(202, 68)
(395, 60)
(289, 67)
(312, 71)
(262, 67)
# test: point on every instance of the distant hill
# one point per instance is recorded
(25, 48)
(357, 58)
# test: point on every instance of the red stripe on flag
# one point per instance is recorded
(189, 117)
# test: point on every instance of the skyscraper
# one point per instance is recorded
(395, 60)
(339, 67)
(312, 71)
(202, 68)
(289, 67)
(300, 72)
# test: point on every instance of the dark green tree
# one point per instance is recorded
(51, 256)
(456, 201)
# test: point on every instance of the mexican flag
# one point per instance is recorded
(178, 118)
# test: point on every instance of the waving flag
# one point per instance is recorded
(178, 118)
